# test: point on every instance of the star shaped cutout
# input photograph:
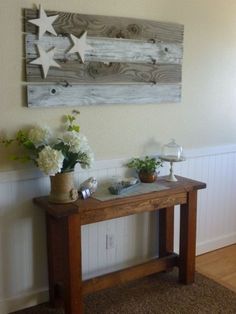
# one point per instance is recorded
(44, 23)
(80, 45)
(45, 60)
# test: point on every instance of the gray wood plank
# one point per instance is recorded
(110, 26)
(109, 50)
(98, 72)
(77, 95)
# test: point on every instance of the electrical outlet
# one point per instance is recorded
(110, 241)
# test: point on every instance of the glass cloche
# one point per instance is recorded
(172, 152)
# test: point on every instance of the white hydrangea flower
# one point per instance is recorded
(50, 160)
(84, 145)
(76, 141)
(90, 155)
(39, 136)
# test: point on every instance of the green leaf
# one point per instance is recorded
(148, 164)
(73, 126)
(76, 128)
(21, 136)
(29, 145)
(71, 118)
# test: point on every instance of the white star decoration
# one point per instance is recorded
(45, 60)
(44, 23)
(80, 45)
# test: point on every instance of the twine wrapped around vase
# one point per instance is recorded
(62, 188)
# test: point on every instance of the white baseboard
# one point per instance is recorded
(216, 243)
(23, 301)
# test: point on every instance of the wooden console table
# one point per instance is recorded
(64, 222)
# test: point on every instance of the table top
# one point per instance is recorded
(93, 210)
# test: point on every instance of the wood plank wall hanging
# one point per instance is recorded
(126, 60)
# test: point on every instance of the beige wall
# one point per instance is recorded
(206, 115)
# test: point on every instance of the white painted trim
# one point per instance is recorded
(210, 151)
(34, 173)
(23, 301)
(20, 175)
(216, 243)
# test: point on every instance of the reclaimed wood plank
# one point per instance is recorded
(166, 230)
(76, 95)
(98, 72)
(110, 26)
(125, 50)
(108, 50)
(187, 249)
(107, 212)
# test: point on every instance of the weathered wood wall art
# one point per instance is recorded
(101, 60)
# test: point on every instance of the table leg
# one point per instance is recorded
(166, 231)
(188, 213)
(64, 263)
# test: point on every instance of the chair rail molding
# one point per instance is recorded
(34, 173)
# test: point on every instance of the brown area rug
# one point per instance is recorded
(159, 293)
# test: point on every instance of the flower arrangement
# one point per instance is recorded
(54, 154)
(146, 164)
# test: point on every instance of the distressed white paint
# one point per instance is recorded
(76, 95)
(23, 276)
(109, 50)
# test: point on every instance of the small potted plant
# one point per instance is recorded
(146, 168)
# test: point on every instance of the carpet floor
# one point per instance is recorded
(159, 293)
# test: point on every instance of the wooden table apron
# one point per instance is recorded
(64, 221)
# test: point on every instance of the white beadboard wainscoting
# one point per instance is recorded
(23, 262)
